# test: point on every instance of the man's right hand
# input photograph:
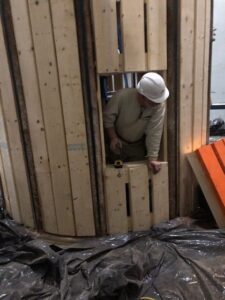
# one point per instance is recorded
(116, 145)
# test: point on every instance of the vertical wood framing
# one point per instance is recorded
(198, 72)
(25, 50)
(91, 106)
(44, 49)
(156, 34)
(72, 101)
(172, 106)
(8, 180)
(139, 197)
(115, 197)
(194, 62)
(206, 75)
(14, 140)
(132, 21)
(100, 110)
(160, 195)
(105, 25)
(187, 14)
(4, 190)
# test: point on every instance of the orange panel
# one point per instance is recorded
(214, 170)
(219, 149)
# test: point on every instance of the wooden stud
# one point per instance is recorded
(132, 20)
(187, 13)
(23, 196)
(172, 106)
(8, 180)
(198, 73)
(160, 195)
(106, 36)
(207, 76)
(100, 112)
(4, 188)
(115, 197)
(44, 48)
(139, 197)
(156, 34)
(207, 189)
(118, 79)
(27, 63)
(91, 105)
(72, 100)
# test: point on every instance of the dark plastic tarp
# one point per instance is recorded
(175, 260)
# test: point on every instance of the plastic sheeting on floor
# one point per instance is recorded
(175, 260)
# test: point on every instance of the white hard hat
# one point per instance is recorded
(153, 87)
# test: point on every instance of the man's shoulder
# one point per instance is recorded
(126, 93)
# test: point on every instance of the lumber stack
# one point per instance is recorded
(208, 164)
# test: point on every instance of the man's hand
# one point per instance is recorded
(116, 145)
(154, 166)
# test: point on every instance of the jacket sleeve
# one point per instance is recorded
(111, 112)
(154, 131)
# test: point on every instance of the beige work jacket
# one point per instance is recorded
(132, 122)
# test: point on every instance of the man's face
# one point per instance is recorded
(145, 102)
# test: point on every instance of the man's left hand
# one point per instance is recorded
(154, 166)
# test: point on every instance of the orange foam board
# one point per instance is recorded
(215, 172)
(219, 149)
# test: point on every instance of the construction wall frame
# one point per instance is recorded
(52, 164)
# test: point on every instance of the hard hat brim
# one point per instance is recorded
(161, 99)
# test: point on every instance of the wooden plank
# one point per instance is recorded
(6, 173)
(5, 193)
(139, 198)
(106, 40)
(206, 102)
(27, 63)
(100, 113)
(187, 14)
(198, 72)
(72, 101)
(132, 22)
(172, 106)
(160, 195)
(207, 189)
(40, 19)
(23, 196)
(157, 34)
(115, 197)
(214, 171)
(118, 80)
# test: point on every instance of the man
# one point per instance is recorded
(133, 120)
